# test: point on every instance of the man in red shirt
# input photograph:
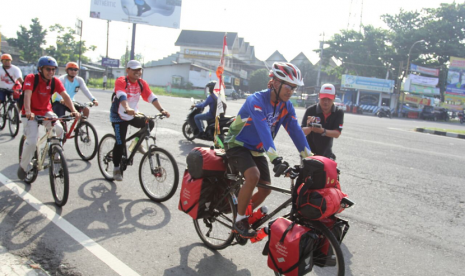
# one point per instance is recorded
(37, 102)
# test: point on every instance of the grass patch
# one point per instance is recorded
(446, 130)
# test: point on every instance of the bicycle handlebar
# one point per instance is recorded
(7, 90)
(62, 118)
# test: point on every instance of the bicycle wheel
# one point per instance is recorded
(86, 141)
(188, 131)
(105, 156)
(216, 231)
(32, 173)
(59, 177)
(13, 120)
(158, 174)
(2, 115)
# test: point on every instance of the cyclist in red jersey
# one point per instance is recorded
(38, 103)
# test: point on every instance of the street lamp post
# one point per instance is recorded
(407, 70)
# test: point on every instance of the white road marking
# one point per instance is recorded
(114, 263)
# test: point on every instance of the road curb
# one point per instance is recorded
(442, 133)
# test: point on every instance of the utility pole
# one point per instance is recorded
(133, 43)
(319, 63)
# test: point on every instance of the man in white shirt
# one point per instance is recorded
(9, 74)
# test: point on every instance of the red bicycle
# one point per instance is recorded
(84, 134)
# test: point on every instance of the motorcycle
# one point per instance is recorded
(461, 117)
(384, 112)
(190, 130)
(234, 95)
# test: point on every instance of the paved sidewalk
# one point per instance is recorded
(442, 133)
(12, 265)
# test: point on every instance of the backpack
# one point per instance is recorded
(204, 162)
(323, 255)
(290, 247)
(20, 102)
(127, 82)
(196, 196)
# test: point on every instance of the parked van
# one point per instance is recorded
(228, 89)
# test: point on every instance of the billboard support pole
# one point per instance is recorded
(133, 40)
(108, 35)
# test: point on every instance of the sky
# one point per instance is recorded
(289, 26)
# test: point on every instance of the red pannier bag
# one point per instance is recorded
(318, 204)
(290, 247)
(205, 162)
(196, 196)
(319, 172)
(323, 255)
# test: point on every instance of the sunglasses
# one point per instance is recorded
(292, 88)
(49, 69)
(73, 69)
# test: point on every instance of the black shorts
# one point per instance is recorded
(241, 159)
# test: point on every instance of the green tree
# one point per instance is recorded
(127, 55)
(67, 48)
(441, 28)
(363, 53)
(258, 80)
(30, 41)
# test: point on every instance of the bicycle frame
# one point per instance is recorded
(70, 133)
(41, 154)
(143, 134)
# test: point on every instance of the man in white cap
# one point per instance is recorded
(124, 107)
(322, 122)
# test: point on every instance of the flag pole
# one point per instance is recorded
(219, 92)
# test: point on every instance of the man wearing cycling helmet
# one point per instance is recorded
(72, 83)
(37, 102)
(210, 114)
(251, 136)
(329, 120)
(9, 74)
(128, 90)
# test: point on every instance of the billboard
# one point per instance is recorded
(163, 13)
(367, 84)
(424, 70)
(455, 87)
(110, 62)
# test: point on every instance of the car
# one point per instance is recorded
(431, 113)
(338, 103)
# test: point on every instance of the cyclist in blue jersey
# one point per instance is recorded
(251, 135)
(72, 83)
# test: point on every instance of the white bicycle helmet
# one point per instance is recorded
(287, 72)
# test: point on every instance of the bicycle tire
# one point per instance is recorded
(161, 183)
(86, 140)
(59, 176)
(105, 156)
(13, 120)
(33, 173)
(188, 132)
(216, 230)
(2, 115)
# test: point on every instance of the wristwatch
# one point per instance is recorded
(324, 132)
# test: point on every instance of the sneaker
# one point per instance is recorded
(22, 174)
(242, 228)
(117, 175)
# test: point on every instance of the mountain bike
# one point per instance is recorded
(84, 134)
(9, 112)
(158, 171)
(216, 230)
(50, 146)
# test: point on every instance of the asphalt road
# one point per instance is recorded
(408, 220)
